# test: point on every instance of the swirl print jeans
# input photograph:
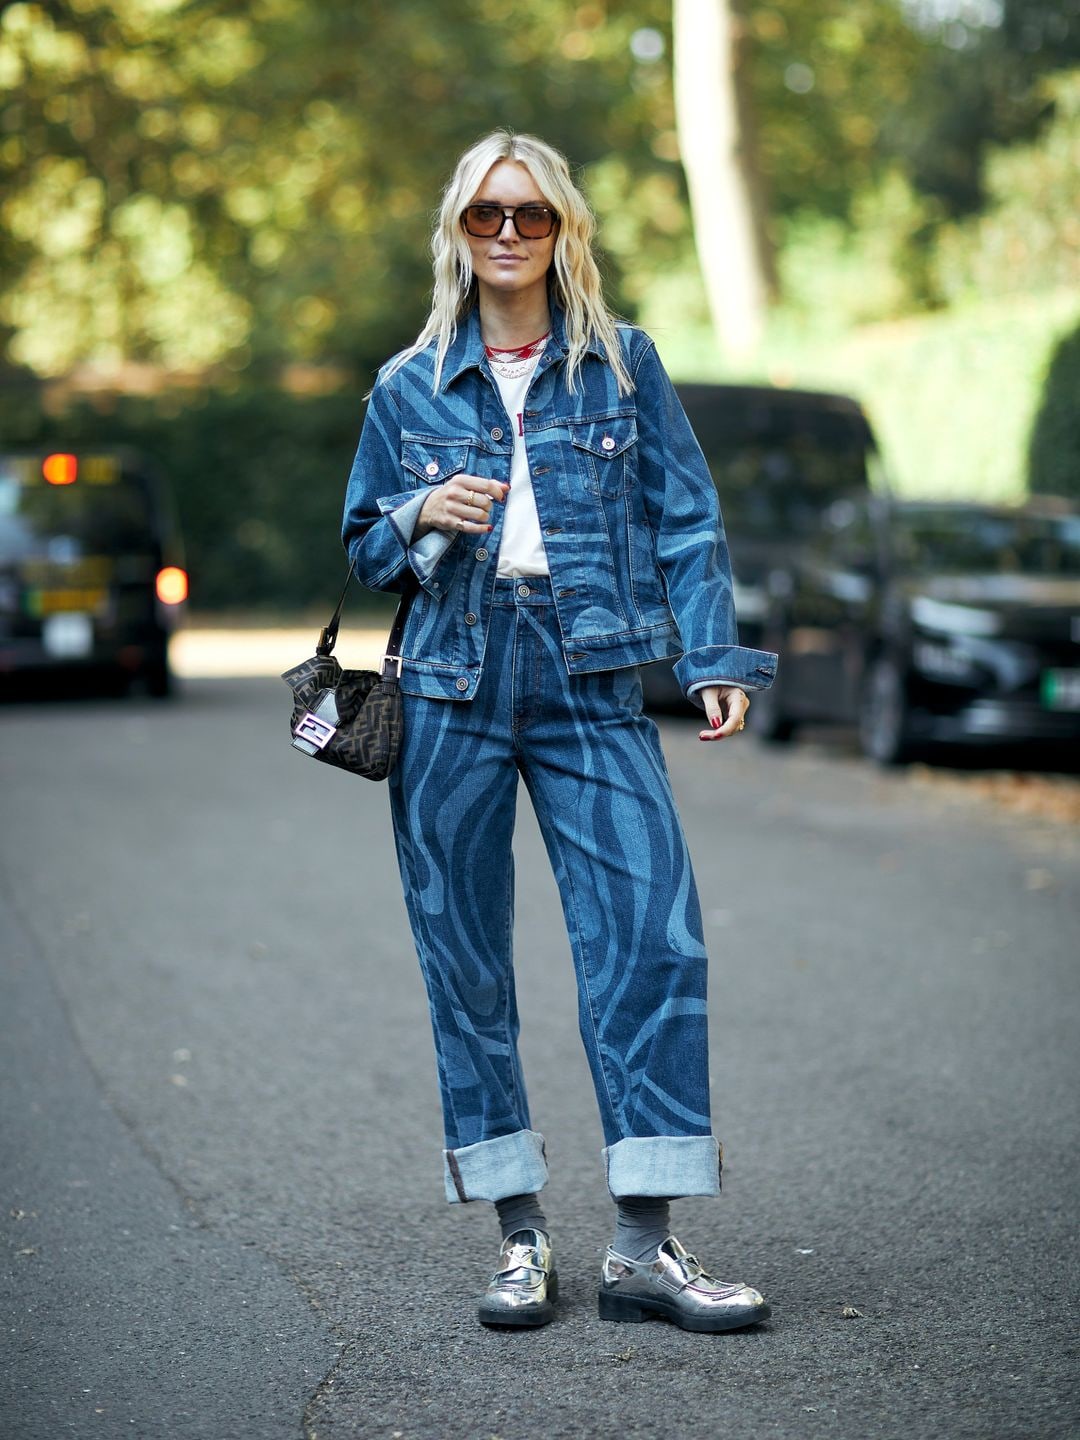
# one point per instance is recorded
(593, 767)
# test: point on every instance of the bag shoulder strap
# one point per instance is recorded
(391, 662)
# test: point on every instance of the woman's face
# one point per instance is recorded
(506, 262)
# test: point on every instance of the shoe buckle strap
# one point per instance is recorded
(671, 1279)
(518, 1260)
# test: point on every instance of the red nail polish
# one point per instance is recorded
(716, 722)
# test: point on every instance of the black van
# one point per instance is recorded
(779, 459)
(91, 572)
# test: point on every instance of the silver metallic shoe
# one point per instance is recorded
(676, 1287)
(522, 1289)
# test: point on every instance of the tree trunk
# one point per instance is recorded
(715, 135)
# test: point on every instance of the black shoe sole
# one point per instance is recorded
(498, 1319)
(632, 1310)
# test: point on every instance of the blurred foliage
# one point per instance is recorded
(952, 393)
(980, 85)
(203, 182)
(195, 183)
(238, 198)
(826, 76)
(900, 252)
(259, 478)
(1054, 452)
(1028, 234)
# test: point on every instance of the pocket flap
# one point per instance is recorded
(605, 438)
(432, 460)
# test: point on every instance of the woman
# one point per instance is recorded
(527, 466)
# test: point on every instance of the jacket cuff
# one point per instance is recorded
(401, 513)
(731, 684)
(725, 665)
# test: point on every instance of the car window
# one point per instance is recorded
(970, 541)
(772, 489)
(779, 458)
(103, 512)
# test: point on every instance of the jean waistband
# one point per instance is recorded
(522, 590)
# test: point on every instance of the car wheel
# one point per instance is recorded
(885, 714)
(157, 677)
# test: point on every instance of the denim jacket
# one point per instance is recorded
(627, 507)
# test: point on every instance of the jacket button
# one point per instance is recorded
(524, 591)
(432, 467)
(461, 684)
(607, 443)
(481, 554)
(497, 433)
(470, 618)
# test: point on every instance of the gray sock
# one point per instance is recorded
(642, 1224)
(520, 1212)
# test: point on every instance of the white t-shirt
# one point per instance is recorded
(521, 549)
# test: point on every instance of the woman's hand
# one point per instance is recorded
(463, 503)
(726, 707)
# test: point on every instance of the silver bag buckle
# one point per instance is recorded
(314, 731)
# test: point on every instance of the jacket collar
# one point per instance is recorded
(466, 351)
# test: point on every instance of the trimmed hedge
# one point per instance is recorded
(1054, 450)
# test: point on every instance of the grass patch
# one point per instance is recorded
(952, 394)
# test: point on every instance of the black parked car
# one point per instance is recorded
(779, 459)
(91, 577)
(930, 622)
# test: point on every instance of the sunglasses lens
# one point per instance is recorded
(534, 222)
(483, 220)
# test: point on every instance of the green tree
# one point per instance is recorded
(1054, 449)
(213, 183)
(980, 85)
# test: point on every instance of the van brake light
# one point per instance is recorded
(172, 585)
(60, 469)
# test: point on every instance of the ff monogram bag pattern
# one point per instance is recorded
(349, 718)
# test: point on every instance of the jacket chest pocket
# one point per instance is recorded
(429, 461)
(607, 454)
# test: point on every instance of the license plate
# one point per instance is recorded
(87, 600)
(1061, 689)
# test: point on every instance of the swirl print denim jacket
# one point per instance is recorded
(628, 510)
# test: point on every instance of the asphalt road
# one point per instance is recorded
(221, 1185)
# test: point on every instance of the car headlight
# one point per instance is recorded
(949, 619)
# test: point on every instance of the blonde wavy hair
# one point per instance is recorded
(574, 276)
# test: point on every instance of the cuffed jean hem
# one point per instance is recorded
(493, 1169)
(664, 1165)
